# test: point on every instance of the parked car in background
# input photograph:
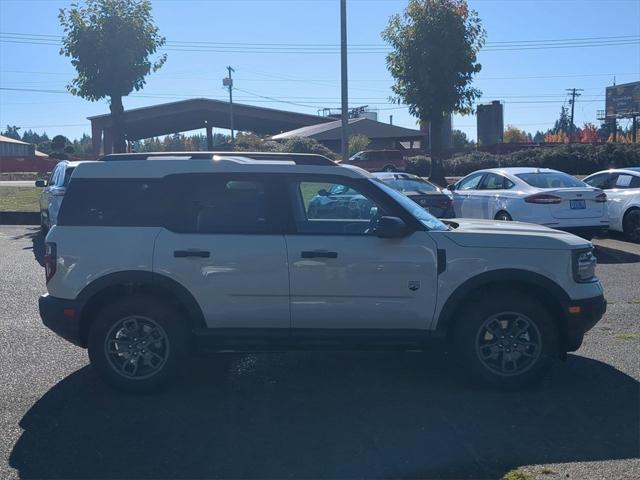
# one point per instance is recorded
(534, 195)
(622, 186)
(378, 160)
(54, 190)
(339, 199)
(424, 193)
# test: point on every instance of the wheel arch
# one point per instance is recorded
(115, 285)
(548, 292)
(629, 209)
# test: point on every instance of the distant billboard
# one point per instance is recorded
(623, 100)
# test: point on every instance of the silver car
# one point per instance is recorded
(54, 189)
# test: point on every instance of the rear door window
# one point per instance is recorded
(214, 203)
(492, 181)
(624, 180)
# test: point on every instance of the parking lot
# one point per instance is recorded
(315, 415)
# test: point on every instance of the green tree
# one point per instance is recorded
(305, 145)
(433, 62)
(12, 132)
(110, 43)
(58, 144)
(563, 123)
(538, 137)
(459, 139)
(357, 143)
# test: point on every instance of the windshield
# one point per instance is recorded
(550, 180)
(410, 185)
(428, 220)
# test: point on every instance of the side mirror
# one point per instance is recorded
(41, 183)
(391, 227)
(323, 193)
(451, 187)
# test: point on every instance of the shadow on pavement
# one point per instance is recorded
(401, 415)
(36, 235)
(606, 256)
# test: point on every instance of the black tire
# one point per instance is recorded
(631, 225)
(484, 355)
(43, 224)
(503, 216)
(389, 168)
(138, 345)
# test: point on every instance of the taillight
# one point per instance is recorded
(543, 198)
(601, 197)
(50, 260)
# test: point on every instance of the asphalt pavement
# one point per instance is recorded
(314, 415)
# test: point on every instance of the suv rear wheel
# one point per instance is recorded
(507, 340)
(389, 168)
(138, 343)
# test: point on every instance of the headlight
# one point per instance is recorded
(584, 266)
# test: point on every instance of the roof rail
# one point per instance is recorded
(298, 158)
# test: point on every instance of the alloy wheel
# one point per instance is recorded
(136, 347)
(508, 343)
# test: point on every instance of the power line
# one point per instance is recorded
(310, 48)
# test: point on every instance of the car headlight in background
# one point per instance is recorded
(584, 266)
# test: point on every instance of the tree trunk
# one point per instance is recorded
(117, 119)
(435, 140)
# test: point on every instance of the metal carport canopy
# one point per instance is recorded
(193, 114)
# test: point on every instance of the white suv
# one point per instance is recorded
(218, 251)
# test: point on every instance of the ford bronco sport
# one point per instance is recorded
(218, 251)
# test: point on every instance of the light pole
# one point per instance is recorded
(344, 84)
(228, 82)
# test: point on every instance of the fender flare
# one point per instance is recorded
(509, 276)
(137, 278)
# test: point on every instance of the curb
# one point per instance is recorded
(19, 218)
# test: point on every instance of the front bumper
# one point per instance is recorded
(581, 316)
(62, 316)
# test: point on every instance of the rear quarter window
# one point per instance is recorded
(113, 202)
(550, 180)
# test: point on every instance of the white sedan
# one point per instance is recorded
(534, 195)
(622, 186)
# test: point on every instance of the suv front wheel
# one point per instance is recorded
(138, 343)
(506, 340)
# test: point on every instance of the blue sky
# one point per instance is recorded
(531, 82)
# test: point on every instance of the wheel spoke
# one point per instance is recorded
(519, 326)
(130, 367)
(117, 346)
(506, 360)
(528, 349)
(131, 325)
(495, 328)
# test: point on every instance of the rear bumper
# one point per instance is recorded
(62, 316)
(581, 316)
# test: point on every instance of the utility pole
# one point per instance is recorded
(343, 76)
(574, 94)
(228, 82)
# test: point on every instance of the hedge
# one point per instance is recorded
(579, 160)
